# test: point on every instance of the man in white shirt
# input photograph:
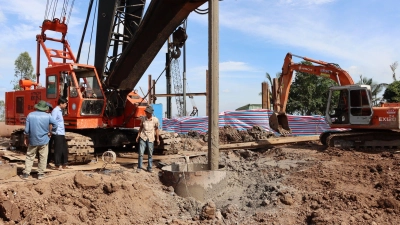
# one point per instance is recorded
(148, 133)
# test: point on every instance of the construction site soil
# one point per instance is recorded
(300, 183)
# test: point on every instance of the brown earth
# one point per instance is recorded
(290, 184)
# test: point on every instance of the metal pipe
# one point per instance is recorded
(168, 81)
(184, 80)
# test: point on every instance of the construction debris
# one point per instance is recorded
(229, 138)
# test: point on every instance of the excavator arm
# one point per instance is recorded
(278, 120)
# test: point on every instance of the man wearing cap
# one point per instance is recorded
(148, 133)
(37, 135)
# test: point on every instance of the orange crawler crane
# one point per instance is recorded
(103, 110)
(364, 125)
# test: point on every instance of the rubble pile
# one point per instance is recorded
(172, 143)
(228, 135)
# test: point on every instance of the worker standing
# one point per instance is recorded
(148, 133)
(60, 144)
(50, 155)
(37, 135)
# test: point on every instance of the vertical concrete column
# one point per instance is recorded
(207, 92)
(276, 95)
(265, 96)
(213, 71)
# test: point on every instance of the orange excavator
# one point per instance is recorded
(103, 108)
(349, 107)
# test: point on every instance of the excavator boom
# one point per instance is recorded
(278, 120)
(323, 69)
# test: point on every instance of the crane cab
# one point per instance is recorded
(349, 105)
(81, 86)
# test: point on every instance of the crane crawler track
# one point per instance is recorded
(80, 147)
(367, 140)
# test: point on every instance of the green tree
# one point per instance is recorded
(375, 88)
(308, 94)
(2, 111)
(392, 92)
(23, 69)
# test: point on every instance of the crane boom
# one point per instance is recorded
(161, 19)
(117, 23)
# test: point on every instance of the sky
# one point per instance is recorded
(254, 37)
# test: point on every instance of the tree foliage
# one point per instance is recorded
(375, 88)
(308, 94)
(392, 92)
(23, 69)
(2, 111)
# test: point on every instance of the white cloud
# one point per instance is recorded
(304, 2)
(2, 17)
(33, 11)
(317, 30)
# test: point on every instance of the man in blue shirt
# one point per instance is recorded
(60, 144)
(37, 135)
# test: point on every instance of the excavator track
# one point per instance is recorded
(80, 147)
(362, 139)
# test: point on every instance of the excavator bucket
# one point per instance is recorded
(280, 124)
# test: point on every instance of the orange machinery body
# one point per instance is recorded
(383, 118)
(82, 112)
(356, 112)
(78, 83)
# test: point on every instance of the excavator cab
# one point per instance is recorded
(349, 104)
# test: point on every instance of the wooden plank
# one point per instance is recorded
(181, 154)
(11, 155)
(265, 143)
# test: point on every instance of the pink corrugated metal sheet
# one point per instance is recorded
(245, 119)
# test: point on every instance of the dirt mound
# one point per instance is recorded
(292, 184)
(90, 198)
